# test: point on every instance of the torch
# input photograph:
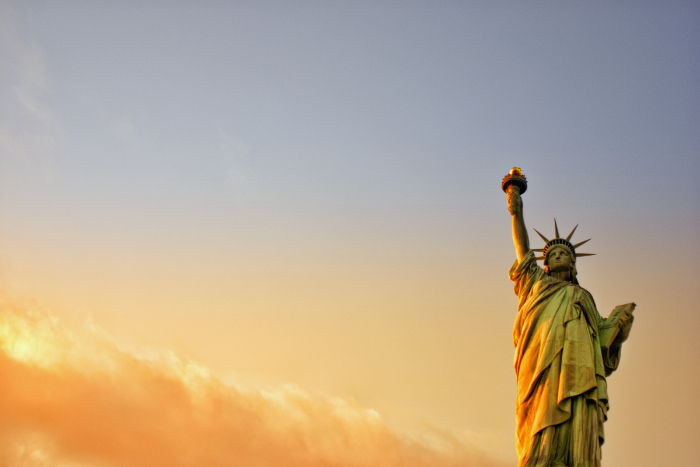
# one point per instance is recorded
(516, 179)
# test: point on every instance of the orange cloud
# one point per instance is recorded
(72, 398)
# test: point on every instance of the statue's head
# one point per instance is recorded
(559, 254)
(560, 258)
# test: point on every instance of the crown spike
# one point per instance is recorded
(584, 254)
(541, 236)
(556, 229)
(580, 243)
(571, 234)
(539, 257)
(538, 249)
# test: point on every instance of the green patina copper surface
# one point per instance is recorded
(564, 351)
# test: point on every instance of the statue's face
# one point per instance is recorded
(559, 259)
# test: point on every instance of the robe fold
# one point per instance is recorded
(562, 398)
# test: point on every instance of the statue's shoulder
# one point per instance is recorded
(585, 294)
(527, 268)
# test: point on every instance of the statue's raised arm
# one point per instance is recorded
(514, 184)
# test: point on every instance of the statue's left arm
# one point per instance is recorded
(624, 322)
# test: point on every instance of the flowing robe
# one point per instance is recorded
(562, 398)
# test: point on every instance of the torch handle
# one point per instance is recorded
(515, 202)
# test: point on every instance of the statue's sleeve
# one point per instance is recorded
(525, 274)
(611, 359)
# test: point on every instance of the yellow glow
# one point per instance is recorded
(78, 391)
(32, 342)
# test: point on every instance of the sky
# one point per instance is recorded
(273, 233)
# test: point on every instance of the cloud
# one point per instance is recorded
(71, 397)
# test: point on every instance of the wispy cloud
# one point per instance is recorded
(236, 158)
(28, 126)
(70, 397)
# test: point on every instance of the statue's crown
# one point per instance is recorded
(558, 241)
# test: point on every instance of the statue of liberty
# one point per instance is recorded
(564, 349)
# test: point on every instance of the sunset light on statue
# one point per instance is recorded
(564, 351)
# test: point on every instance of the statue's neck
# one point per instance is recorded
(561, 275)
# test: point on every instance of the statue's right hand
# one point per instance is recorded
(515, 202)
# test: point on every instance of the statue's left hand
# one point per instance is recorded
(624, 322)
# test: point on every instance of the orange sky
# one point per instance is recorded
(71, 397)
